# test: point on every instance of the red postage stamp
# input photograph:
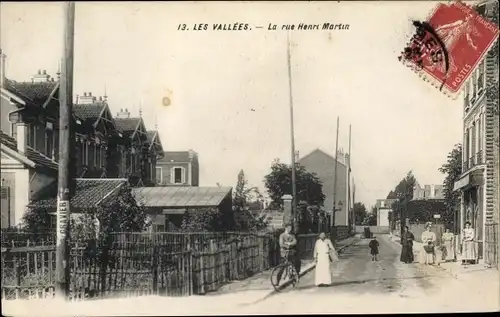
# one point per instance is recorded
(448, 47)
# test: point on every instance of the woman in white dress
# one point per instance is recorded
(428, 253)
(468, 245)
(324, 253)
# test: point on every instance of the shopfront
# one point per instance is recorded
(472, 208)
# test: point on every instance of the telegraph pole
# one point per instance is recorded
(292, 135)
(333, 231)
(65, 133)
(349, 211)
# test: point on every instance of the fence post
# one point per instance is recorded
(155, 268)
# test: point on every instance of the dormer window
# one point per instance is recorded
(178, 175)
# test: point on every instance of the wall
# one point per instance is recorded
(167, 169)
(6, 107)
(324, 166)
(39, 181)
(383, 217)
(9, 180)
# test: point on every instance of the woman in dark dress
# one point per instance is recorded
(407, 243)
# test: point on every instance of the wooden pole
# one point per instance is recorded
(349, 206)
(292, 137)
(333, 231)
(63, 196)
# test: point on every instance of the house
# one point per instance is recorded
(28, 137)
(383, 207)
(167, 205)
(93, 137)
(323, 165)
(104, 147)
(136, 159)
(178, 169)
(427, 192)
(479, 181)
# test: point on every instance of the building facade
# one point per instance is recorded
(105, 148)
(179, 168)
(479, 181)
(384, 206)
(323, 165)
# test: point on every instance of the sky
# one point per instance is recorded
(229, 89)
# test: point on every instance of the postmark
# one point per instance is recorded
(447, 48)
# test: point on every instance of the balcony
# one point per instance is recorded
(475, 160)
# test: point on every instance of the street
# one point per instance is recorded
(359, 286)
(388, 286)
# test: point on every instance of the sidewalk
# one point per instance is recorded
(261, 281)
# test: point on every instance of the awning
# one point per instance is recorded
(468, 181)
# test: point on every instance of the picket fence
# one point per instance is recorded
(133, 264)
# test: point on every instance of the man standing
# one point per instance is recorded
(288, 243)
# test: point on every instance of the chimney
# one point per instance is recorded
(21, 136)
(86, 99)
(40, 77)
(3, 57)
(191, 154)
(123, 114)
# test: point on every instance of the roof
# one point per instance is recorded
(127, 124)
(36, 93)
(151, 135)
(181, 197)
(89, 111)
(38, 158)
(323, 153)
(89, 193)
(179, 157)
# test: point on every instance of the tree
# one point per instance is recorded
(404, 193)
(279, 182)
(244, 198)
(360, 213)
(452, 169)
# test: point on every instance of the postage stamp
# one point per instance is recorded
(447, 48)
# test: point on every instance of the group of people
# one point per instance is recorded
(427, 254)
(325, 253)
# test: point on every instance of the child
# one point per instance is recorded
(374, 248)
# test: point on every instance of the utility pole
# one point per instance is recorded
(349, 211)
(292, 136)
(333, 231)
(65, 134)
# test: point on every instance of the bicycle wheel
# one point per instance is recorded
(274, 276)
(293, 275)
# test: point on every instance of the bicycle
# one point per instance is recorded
(289, 271)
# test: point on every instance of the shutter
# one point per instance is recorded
(5, 205)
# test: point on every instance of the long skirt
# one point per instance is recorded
(407, 253)
(323, 274)
(448, 251)
(468, 251)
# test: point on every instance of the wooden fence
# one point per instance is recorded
(129, 264)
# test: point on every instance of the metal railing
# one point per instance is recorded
(476, 159)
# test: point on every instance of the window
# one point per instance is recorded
(49, 143)
(474, 86)
(85, 153)
(31, 135)
(467, 96)
(159, 175)
(13, 130)
(177, 175)
(480, 79)
(97, 156)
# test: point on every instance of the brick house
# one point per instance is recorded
(178, 169)
(323, 165)
(479, 181)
